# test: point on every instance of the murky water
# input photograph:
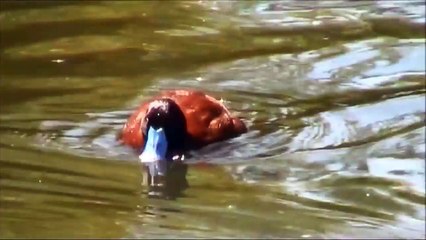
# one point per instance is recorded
(333, 93)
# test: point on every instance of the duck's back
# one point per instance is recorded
(207, 119)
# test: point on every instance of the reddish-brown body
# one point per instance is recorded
(207, 120)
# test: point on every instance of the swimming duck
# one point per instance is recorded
(163, 128)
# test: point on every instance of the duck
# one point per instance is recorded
(165, 127)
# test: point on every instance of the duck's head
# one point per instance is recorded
(164, 132)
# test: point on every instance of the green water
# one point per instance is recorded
(333, 93)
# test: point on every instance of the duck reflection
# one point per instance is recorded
(170, 185)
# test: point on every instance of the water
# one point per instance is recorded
(333, 93)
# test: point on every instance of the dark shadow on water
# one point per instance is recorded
(8, 94)
(24, 34)
(79, 64)
(23, 5)
(128, 61)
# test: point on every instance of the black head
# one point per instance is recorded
(166, 114)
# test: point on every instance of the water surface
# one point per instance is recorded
(333, 93)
